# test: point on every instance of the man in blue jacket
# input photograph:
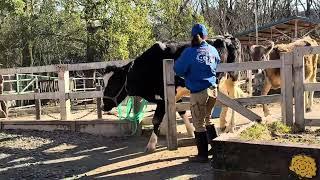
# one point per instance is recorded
(197, 64)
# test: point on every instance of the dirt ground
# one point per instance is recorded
(58, 154)
(70, 155)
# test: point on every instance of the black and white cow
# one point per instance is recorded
(144, 76)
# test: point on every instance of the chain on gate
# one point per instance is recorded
(87, 114)
(47, 114)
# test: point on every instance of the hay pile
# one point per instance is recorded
(279, 132)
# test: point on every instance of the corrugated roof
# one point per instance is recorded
(286, 26)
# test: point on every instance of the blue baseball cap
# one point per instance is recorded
(199, 29)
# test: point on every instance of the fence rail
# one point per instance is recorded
(59, 67)
(243, 66)
(64, 93)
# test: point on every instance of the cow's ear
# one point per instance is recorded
(112, 68)
(269, 47)
(252, 49)
(219, 43)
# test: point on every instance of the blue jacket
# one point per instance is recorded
(198, 67)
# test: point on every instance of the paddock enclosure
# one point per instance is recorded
(63, 89)
(73, 146)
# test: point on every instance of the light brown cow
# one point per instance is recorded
(272, 76)
(228, 87)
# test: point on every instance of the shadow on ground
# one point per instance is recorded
(59, 154)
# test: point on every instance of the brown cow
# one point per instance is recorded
(272, 76)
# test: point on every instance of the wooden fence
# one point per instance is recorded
(63, 94)
(300, 86)
(289, 63)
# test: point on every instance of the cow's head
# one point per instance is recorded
(229, 49)
(261, 52)
(114, 86)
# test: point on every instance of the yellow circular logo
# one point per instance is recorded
(304, 166)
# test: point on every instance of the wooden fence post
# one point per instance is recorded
(170, 104)
(99, 103)
(18, 102)
(38, 106)
(286, 88)
(3, 104)
(249, 84)
(299, 103)
(63, 83)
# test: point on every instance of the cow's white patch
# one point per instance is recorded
(189, 126)
(151, 147)
(158, 97)
(162, 45)
(106, 78)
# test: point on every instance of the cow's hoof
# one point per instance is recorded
(212, 162)
(229, 129)
(308, 110)
(267, 114)
(3, 114)
(150, 149)
(151, 146)
(223, 129)
(190, 130)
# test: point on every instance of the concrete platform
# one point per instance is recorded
(109, 128)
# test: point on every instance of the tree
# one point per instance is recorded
(174, 19)
(41, 32)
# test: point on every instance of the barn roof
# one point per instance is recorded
(281, 30)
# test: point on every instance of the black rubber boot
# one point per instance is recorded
(202, 146)
(211, 134)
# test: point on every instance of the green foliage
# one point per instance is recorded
(278, 132)
(128, 31)
(256, 132)
(265, 131)
(11, 6)
(38, 32)
(174, 20)
(279, 128)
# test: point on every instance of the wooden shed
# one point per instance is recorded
(283, 30)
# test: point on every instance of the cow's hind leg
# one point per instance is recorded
(181, 92)
(307, 101)
(309, 95)
(265, 90)
(232, 125)
(308, 98)
(223, 120)
(189, 126)
(153, 140)
(224, 109)
(156, 121)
